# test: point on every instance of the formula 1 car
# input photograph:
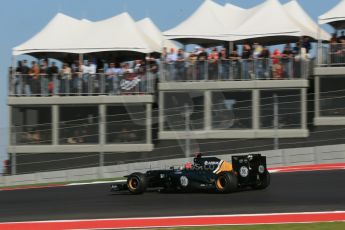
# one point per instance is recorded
(206, 174)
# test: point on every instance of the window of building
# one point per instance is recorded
(175, 104)
(126, 124)
(332, 96)
(31, 126)
(289, 109)
(79, 125)
(232, 110)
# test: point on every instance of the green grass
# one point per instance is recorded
(317, 226)
(60, 183)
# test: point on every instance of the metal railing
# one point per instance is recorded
(80, 84)
(332, 55)
(236, 70)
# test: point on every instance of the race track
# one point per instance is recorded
(289, 192)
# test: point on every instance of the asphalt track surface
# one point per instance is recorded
(289, 192)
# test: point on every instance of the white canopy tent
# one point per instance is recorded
(64, 34)
(310, 27)
(235, 16)
(270, 23)
(205, 25)
(119, 33)
(61, 34)
(147, 26)
(335, 17)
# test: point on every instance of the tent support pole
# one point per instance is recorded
(81, 58)
(231, 47)
(319, 46)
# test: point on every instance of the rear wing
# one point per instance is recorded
(254, 162)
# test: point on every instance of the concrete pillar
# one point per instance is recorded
(161, 111)
(10, 127)
(55, 124)
(208, 110)
(101, 125)
(317, 97)
(256, 109)
(304, 109)
(102, 138)
(149, 123)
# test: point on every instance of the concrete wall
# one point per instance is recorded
(275, 158)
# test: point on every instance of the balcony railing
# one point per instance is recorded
(235, 70)
(80, 84)
(332, 55)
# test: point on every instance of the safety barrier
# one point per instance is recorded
(275, 158)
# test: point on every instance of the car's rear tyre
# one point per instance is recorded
(137, 183)
(226, 182)
(265, 182)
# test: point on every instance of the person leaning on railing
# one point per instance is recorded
(265, 58)
(287, 62)
(246, 61)
(65, 76)
(235, 65)
(151, 72)
(213, 58)
(34, 78)
(276, 64)
(224, 64)
(180, 65)
(44, 78)
(202, 63)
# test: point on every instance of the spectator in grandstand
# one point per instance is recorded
(246, 60)
(171, 57)
(276, 64)
(77, 69)
(258, 62)
(45, 77)
(257, 50)
(112, 79)
(170, 65)
(53, 85)
(265, 57)
(202, 63)
(180, 65)
(164, 55)
(341, 37)
(65, 76)
(287, 61)
(306, 44)
(89, 70)
(17, 81)
(125, 68)
(224, 64)
(35, 78)
(26, 78)
(213, 58)
(139, 70)
(234, 64)
(192, 63)
(152, 71)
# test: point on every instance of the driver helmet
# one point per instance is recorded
(188, 165)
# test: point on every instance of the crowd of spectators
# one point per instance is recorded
(84, 78)
(91, 77)
(254, 61)
(337, 48)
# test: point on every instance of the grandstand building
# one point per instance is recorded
(87, 119)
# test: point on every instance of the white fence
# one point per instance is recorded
(275, 158)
